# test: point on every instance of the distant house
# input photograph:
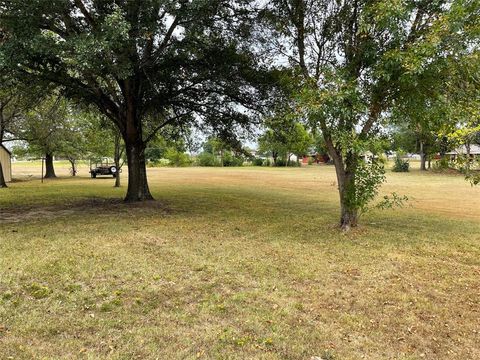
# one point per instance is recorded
(462, 151)
(315, 158)
(6, 161)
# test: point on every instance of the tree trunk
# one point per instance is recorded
(345, 170)
(423, 157)
(137, 173)
(117, 156)
(117, 178)
(467, 163)
(349, 218)
(49, 169)
(73, 163)
(135, 147)
(3, 183)
(348, 212)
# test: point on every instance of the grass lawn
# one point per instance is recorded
(242, 263)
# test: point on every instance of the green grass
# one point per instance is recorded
(239, 263)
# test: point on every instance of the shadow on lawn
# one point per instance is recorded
(89, 206)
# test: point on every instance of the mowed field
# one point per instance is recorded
(241, 263)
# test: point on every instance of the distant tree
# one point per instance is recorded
(285, 136)
(463, 92)
(269, 143)
(102, 139)
(15, 101)
(222, 151)
(300, 141)
(50, 130)
(10, 111)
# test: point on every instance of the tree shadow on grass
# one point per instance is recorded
(87, 206)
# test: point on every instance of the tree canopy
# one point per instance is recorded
(354, 62)
(144, 64)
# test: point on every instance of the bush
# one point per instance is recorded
(257, 162)
(310, 161)
(382, 159)
(283, 163)
(441, 165)
(207, 159)
(230, 160)
(153, 155)
(178, 158)
(158, 163)
(401, 165)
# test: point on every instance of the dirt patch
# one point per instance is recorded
(90, 206)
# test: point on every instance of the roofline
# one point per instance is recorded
(8, 151)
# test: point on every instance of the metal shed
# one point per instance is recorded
(6, 161)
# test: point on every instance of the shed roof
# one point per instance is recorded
(8, 151)
(474, 150)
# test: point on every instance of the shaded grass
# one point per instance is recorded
(239, 263)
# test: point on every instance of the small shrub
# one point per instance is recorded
(382, 159)
(178, 158)
(283, 163)
(441, 165)
(159, 163)
(257, 162)
(230, 160)
(401, 165)
(207, 159)
(310, 161)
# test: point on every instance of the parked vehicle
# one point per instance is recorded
(103, 168)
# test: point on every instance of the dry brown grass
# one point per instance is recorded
(238, 264)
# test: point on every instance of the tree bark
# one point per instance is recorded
(346, 182)
(138, 189)
(3, 183)
(49, 169)
(117, 159)
(467, 148)
(423, 157)
(134, 146)
(73, 163)
(345, 170)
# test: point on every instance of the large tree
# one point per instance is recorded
(144, 64)
(351, 60)
(49, 130)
